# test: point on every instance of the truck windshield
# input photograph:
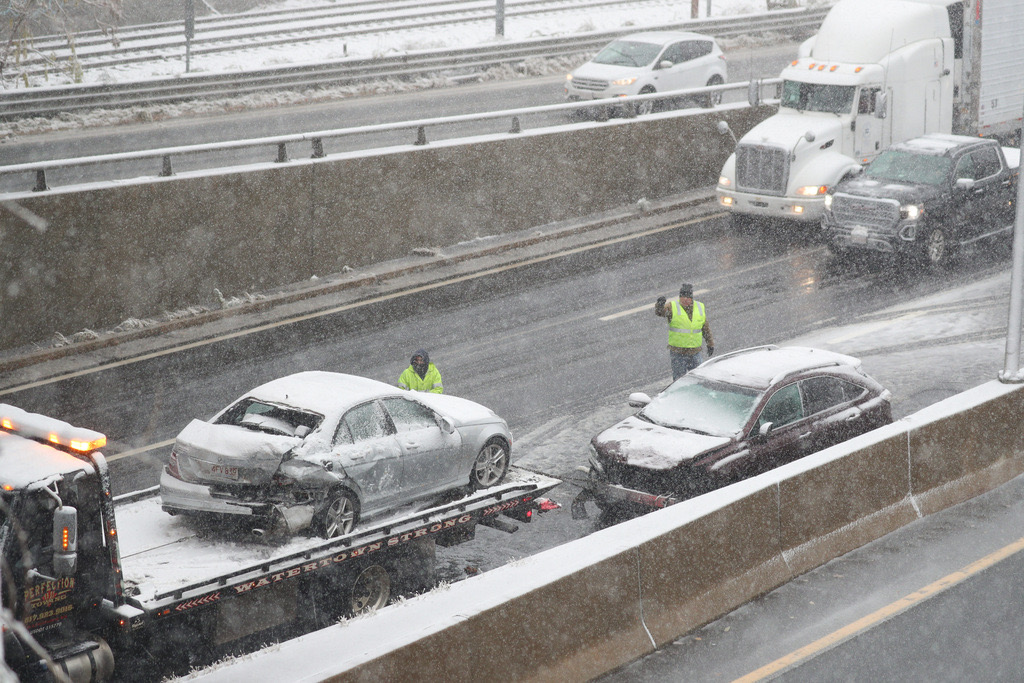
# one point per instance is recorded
(834, 99)
(627, 53)
(700, 405)
(904, 167)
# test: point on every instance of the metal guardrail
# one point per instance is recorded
(625, 106)
(50, 101)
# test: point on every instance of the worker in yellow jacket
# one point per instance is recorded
(421, 375)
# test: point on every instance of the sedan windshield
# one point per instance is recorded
(703, 406)
(627, 53)
(834, 99)
(909, 168)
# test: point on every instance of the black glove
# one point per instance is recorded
(660, 303)
(711, 351)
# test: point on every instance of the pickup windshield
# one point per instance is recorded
(833, 99)
(627, 53)
(904, 167)
(699, 405)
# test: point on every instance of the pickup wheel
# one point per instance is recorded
(937, 248)
(340, 515)
(371, 590)
(490, 466)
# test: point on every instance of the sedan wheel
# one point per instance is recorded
(340, 516)
(490, 466)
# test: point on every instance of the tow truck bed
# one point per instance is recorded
(166, 563)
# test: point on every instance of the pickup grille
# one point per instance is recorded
(761, 169)
(591, 84)
(876, 214)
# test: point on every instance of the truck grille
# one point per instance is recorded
(877, 214)
(761, 169)
(591, 84)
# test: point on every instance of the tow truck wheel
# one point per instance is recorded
(937, 248)
(371, 590)
(340, 515)
(490, 466)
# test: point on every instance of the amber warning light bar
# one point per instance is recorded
(43, 428)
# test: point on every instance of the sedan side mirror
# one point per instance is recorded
(665, 64)
(764, 430)
(638, 400)
(301, 431)
(445, 424)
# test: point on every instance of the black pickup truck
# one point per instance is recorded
(925, 198)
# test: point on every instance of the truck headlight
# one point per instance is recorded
(911, 212)
(626, 81)
(812, 190)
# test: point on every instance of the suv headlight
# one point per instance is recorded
(625, 81)
(911, 212)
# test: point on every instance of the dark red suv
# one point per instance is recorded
(735, 416)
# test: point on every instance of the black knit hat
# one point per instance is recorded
(686, 290)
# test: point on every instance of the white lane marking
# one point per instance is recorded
(645, 307)
(873, 327)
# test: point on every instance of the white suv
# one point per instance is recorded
(650, 62)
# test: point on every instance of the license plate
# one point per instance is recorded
(221, 472)
(859, 235)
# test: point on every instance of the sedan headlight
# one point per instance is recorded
(812, 190)
(911, 212)
(625, 81)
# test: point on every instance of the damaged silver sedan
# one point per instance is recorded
(323, 450)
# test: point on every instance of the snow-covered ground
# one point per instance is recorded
(627, 16)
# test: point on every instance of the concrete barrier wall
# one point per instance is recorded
(584, 608)
(138, 249)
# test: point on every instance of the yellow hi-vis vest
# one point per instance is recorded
(684, 332)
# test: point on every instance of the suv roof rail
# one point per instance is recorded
(817, 366)
(740, 352)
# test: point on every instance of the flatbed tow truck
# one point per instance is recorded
(92, 584)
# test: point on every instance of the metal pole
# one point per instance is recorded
(499, 17)
(190, 31)
(1011, 366)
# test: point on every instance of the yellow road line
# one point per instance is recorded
(881, 615)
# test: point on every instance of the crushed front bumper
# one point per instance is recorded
(610, 495)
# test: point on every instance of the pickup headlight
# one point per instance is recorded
(626, 81)
(911, 212)
(594, 462)
(812, 190)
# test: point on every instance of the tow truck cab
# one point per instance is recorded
(61, 578)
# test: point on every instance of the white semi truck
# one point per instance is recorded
(877, 72)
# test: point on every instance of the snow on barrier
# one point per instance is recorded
(586, 607)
